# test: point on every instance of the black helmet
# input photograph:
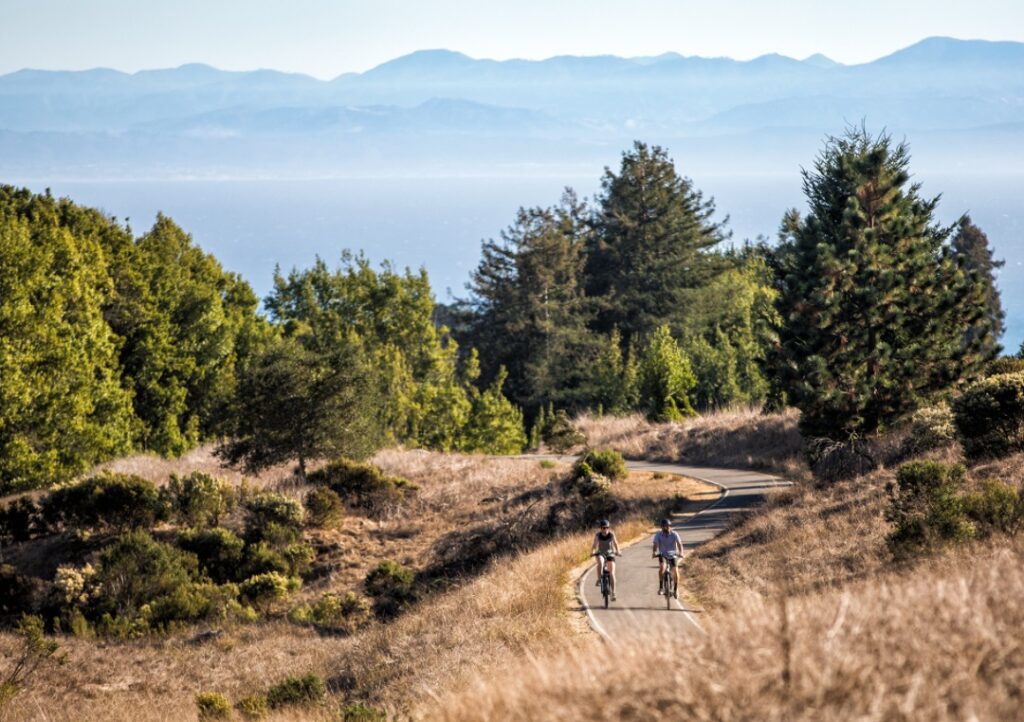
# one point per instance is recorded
(604, 523)
(666, 522)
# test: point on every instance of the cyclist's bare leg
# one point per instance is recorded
(661, 571)
(675, 577)
(611, 575)
(597, 570)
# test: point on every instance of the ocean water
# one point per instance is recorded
(438, 223)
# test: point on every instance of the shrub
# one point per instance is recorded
(989, 416)
(364, 486)
(199, 499)
(359, 712)
(212, 705)
(324, 508)
(253, 707)
(391, 586)
(559, 434)
(260, 558)
(17, 593)
(108, 501)
(931, 427)
(995, 507)
(665, 378)
(925, 507)
(192, 602)
(303, 691)
(218, 550)
(1004, 365)
(19, 519)
(332, 611)
(300, 558)
(268, 508)
(33, 652)
(136, 569)
(263, 590)
(606, 462)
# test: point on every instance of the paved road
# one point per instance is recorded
(638, 607)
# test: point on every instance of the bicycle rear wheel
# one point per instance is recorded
(605, 591)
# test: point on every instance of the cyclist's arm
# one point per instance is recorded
(615, 543)
(679, 546)
(593, 546)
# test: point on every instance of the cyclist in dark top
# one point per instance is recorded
(606, 547)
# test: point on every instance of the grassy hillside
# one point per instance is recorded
(491, 560)
(811, 618)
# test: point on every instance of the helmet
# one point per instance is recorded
(666, 522)
(604, 523)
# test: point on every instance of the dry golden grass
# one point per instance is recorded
(515, 606)
(942, 642)
(739, 438)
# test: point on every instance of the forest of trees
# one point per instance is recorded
(631, 301)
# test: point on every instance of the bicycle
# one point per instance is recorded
(606, 576)
(667, 584)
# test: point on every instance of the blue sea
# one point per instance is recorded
(438, 223)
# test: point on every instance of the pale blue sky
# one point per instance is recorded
(327, 37)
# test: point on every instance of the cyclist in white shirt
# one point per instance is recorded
(668, 547)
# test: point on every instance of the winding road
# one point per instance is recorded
(639, 608)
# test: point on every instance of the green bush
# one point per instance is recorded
(359, 712)
(364, 486)
(17, 593)
(218, 550)
(391, 586)
(260, 558)
(559, 434)
(212, 705)
(925, 507)
(19, 519)
(304, 691)
(267, 509)
(300, 558)
(108, 501)
(989, 416)
(324, 508)
(606, 462)
(995, 507)
(253, 707)
(931, 427)
(136, 569)
(1005, 365)
(191, 603)
(332, 611)
(263, 590)
(199, 500)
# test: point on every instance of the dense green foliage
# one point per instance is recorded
(392, 587)
(877, 310)
(989, 416)
(665, 378)
(606, 462)
(364, 486)
(106, 502)
(108, 342)
(297, 691)
(925, 508)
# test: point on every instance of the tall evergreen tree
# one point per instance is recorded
(875, 307)
(530, 316)
(665, 378)
(970, 245)
(297, 404)
(652, 234)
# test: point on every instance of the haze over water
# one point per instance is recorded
(438, 223)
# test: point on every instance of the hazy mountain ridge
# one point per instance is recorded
(92, 121)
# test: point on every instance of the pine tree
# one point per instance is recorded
(970, 245)
(529, 314)
(652, 234)
(665, 378)
(875, 307)
(298, 404)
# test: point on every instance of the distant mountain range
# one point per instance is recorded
(960, 103)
